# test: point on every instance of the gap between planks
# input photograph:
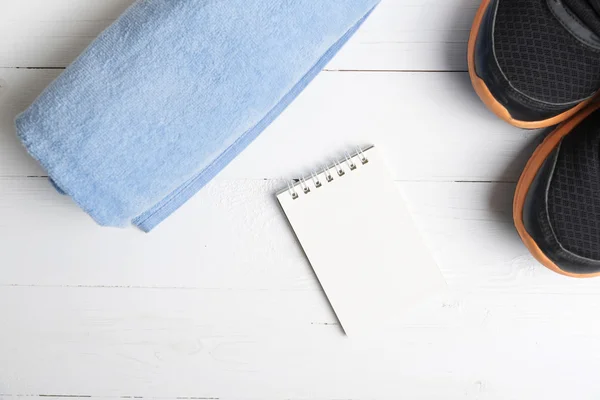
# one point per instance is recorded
(508, 181)
(87, 396)
(426, 71)
(141, 287)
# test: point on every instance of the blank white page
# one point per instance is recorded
(362, 243)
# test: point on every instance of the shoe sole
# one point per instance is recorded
(486, 96)
(534, 164)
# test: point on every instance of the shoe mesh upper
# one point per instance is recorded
(539, 57)
(574, 191)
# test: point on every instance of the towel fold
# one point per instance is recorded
(171, 92)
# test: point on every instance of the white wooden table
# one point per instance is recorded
(219, 302)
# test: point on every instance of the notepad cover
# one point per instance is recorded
(362, 243)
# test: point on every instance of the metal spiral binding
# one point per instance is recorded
(324, 175)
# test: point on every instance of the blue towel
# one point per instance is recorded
(171, 92)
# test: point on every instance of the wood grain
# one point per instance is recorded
(430, 125)
(236, 344)
(233, 235)
(220, 303)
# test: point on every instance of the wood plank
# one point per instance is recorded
(409, 35)
(220, 303)
(235, 344)
(232, 235)
(431, 126)
(53, 396)
(401, 35)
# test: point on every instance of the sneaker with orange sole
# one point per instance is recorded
(536, 63)
(557, 202)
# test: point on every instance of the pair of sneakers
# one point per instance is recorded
(536, 64)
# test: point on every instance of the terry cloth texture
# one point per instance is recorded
(171, 92)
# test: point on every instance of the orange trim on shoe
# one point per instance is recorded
(529, 173)
(488, 99)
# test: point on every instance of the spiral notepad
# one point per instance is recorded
(361, 241)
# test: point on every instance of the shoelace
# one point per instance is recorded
(588, 11)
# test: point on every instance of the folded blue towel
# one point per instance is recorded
(171, 92)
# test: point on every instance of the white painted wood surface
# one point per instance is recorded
(219, 302)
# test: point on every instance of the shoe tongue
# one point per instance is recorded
(588, 11)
